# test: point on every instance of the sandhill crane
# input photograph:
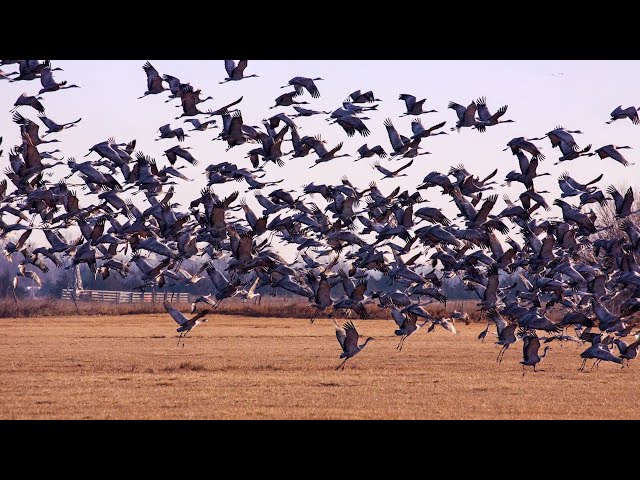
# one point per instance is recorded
(607, 321)
(530, 350)
(322, 293)
(466, 115)
(31, 69)
(154, 81)
(49, 84)
(324, 155)
(444, 323)
(353, 109)
(175, 87)
(306, 112)
(350, 124)
(486, 118)
(222, 111)
(628, 351)
(389, 173)
(186, 324)
(561, 134)
(572, 188)
(24, 273)
(433, 215)
(506, 332)
(611, 151)
(355, 298)
(530, 195)
(6, 76)
(167, 132)
(274, 122)
(529, 172)
(117, 157)
(630, 307)
(620, 113)
(366, 152)
(223, 287)
(26, 100)
(307, 83)
(287, 99)
(413, 106)
(200, 126)
(186, 95)
(420, 132)
(174, 152)
(521, 143)
(236, 133)
(53, 127)
(599, 351)
(624, 204)
(571, 152)
(572, 215)
(359, 97)
(251, 293)
(399, 143)
(406, 324)
(348, 337)
(31, 129)
(236, 72)
(189, 100)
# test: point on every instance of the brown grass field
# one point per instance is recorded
(129, 367)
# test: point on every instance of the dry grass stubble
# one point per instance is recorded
(255, 368)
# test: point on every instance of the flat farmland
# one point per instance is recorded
(128, 367)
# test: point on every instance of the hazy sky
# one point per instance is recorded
(540, 95)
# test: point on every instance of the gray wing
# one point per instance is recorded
(229, 66)
(177, 316)
(341, 334)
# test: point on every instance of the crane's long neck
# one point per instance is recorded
(365, 343)
(544, 354)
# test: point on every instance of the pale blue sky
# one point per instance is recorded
(581, 98)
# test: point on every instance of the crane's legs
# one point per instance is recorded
(584, 362)
(523, 371)
(501, 354)
(483, 334)
(13, 290)
(342, 364)
(73, 297)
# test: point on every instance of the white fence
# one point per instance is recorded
(112, 296)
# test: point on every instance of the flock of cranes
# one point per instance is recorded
(563, 266)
